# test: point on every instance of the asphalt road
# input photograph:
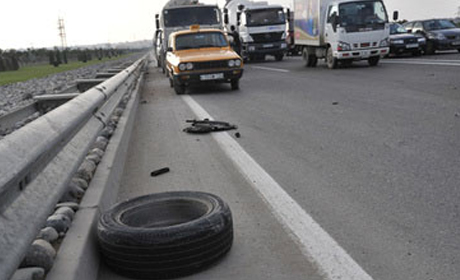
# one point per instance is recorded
(372, 154)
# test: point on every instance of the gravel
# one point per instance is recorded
(21, 94)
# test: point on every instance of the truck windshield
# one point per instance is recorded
(264, 17)
(201, 40)
(362, 16)
(187, 16)
(438, 24)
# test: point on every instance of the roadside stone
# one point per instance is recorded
(59, 222)
(48, 234)
(40, 254)
(97, 151)
(94, 158)
(74, 206)
(107, 132)
(86, 170)
(118, 112)
(80, 182)
(101, 143)
(67, 211)
(29, 273)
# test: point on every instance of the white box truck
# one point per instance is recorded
(259, 28)
(341, 31)
(181, 15)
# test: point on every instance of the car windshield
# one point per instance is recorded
(397, 29)
(362, 16)
(201, 40)
(265, 17)
(188, 16)
(438, 25)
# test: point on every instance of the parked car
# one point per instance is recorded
(440, 34)
(402, 42)
(201, 56)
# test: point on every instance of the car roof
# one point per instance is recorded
(198, 30)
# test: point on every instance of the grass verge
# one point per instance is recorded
(39, 71)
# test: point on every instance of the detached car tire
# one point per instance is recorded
(165, 235)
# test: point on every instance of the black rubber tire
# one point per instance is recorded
(373, 61)
(166, 235)
(179, 89)
(331, 61)
(310, 59)
(235, 84)
(279, 57)
(429, 48)
(346, 62)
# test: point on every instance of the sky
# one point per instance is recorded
(34, 24)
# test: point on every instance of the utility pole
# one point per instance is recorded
(62, 34)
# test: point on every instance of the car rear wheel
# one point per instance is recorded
(279, 57)
(429, 47)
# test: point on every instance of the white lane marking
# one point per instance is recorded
(419, 62)
(426, 60)
(316, 244)
(271, 69)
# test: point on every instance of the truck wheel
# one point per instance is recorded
(310, 59)
(235, 83)
(178, 88)
(332, 62)
(279, 57)
(373, 61)
(165, 235)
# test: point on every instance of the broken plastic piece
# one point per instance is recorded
(159, 171)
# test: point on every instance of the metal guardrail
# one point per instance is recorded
(38, 161)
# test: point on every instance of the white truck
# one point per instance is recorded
(179, 15)
(259, 28)
(341, 31)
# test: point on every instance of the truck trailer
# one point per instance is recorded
(341, 31)
(259, 28)
(179, 15)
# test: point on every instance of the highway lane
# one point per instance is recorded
(372, 154)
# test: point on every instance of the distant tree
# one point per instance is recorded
(58, 57)
(64, 56)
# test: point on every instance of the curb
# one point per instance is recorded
(78, 256)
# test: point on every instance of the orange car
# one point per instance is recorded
(199, 56)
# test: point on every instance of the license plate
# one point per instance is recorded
(456, 43)
(411, 46)
(268, 46)
(208, 77)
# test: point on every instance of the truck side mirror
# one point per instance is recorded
(238, 18)
(169, 49)
(288, 15)
(395, 15)
(334, 21)
(240, 7)
(226, 18)
(157, 21)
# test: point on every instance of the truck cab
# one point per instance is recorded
(179, 15)
(260, 28)
(342, 31)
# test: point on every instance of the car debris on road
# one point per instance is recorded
(206, 126)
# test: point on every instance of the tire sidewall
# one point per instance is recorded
(216, 218)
